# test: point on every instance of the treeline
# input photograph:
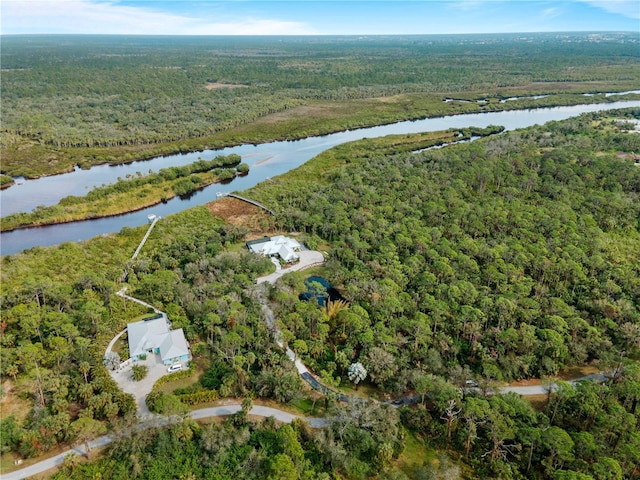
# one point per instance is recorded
(164, 175)
(71, 93)
(60, 312)
(584, 432)
(360, 442)
(508, 257)
(56, 323)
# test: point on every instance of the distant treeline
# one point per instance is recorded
(68, 91)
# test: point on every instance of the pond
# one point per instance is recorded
(266, 161)
(320, 289)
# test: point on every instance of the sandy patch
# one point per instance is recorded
(12, 404)
(260, 162)
(217, 86)
(310, 111)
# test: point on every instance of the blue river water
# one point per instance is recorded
(265, 160)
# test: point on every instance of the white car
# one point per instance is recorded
(174, 368)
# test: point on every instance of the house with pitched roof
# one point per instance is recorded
(279, 246)
(153, 336)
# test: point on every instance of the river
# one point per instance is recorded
(266, 161)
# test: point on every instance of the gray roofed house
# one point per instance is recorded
(144, 336)
(173, 346)
(154, 336)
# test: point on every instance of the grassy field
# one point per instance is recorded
(414, 455)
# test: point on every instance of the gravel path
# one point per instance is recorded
(140, 389)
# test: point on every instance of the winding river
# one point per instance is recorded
(266, 161)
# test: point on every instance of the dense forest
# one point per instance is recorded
(79, 100)
(495, 256)
(506, 258)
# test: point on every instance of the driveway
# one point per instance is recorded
(140, 389)
(307, 259)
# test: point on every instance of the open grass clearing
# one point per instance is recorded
(201, 366)
(12, 403)
(414, 455)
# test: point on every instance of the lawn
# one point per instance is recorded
(201, 366)
(414, 455)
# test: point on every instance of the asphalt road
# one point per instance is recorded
(257, 410)
(221, 411)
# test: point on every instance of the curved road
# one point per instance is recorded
(221, 411)
(307, 258)
(257, 410)
(599, 377)
(310, 258)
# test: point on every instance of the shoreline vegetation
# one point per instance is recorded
(71, 104)
(31, 160)
(136, 193)
(132, 194)
(6, 181)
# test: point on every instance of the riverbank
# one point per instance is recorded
(6, 181)
(131, 194)
(315, 118)
(60, 215)
(138, 193)
(267, 162)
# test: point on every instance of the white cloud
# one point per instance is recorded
(628, 8)
(90, 17)
(551, 12)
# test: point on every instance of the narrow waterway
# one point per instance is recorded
(266, 161)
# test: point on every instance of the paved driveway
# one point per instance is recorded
(307, 258)
(140, 390)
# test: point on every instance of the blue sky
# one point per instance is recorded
(309, 17)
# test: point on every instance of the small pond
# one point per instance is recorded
(320, 289)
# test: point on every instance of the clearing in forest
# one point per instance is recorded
(237, 212)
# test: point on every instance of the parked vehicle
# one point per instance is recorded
(174, 368)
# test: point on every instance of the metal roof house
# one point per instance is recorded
(278, 246)
(154, 336)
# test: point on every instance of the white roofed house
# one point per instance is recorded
(154, 337)
(278, 246)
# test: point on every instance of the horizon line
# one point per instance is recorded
(313, 34)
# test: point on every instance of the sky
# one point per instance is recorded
(310, 17)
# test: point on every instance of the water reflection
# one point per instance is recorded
(265, 161)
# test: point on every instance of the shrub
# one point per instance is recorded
(139, 372)
(226, 174)
(111, 360)
(205, 396)
(174, 376)
(242, 168)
